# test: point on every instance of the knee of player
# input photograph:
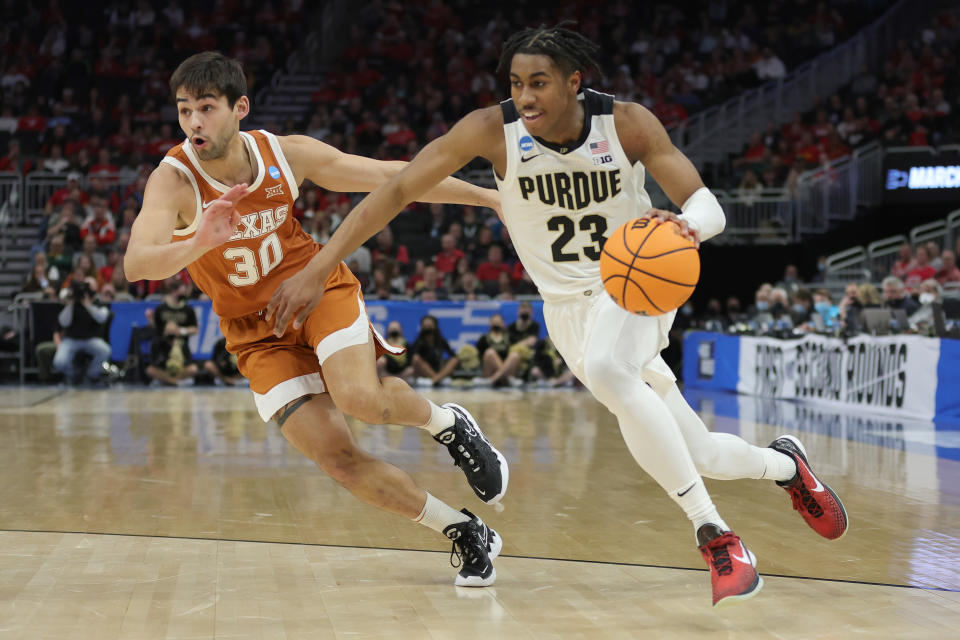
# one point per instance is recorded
(365, 403)
(607, 376)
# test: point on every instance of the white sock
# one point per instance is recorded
(440, 418)
(438, 515)
(698, 506)
(778, 466)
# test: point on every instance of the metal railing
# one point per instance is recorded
(836, 190)
(883, 254)
(11, 210)
(761, 217)
(953, 228)
(931, 231)
(40, 185)
(37, 189)
(879, 256)
(11, 202)
(711, 135)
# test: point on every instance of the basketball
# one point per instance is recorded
(649, 268)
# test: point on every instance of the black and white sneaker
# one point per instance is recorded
(475, 546)
(485, 467)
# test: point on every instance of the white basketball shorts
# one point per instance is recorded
(594, 324)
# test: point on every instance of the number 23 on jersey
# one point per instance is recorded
(593, 224)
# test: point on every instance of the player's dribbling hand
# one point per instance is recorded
(294, 299)
(220, 219)
(661, 216)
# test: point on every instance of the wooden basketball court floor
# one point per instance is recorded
(179, 514)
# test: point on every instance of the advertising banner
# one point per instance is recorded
(890, 374)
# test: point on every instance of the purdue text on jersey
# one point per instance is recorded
(572, 191)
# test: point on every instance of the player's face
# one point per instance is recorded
(209, 122)
(545, 96)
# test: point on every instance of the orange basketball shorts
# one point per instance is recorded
(283, 369)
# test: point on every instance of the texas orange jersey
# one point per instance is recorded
(269, 245)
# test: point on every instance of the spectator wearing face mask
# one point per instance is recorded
(500, 363)
(174, 308)
(824, 307)
(922, 319)
(801, 309)
(432, 358)
(735, 315)
(761, 300)
(895, 295)
(399, 365)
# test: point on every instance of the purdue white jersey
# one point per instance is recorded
(561, 202)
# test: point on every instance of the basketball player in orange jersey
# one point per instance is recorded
(219, 204)
(570, 164)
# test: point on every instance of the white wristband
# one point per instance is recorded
(704, 214)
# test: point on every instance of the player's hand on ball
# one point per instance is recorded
(661, 216)
(294, 299)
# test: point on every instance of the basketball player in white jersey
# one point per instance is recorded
(570, 167)
(219, 205)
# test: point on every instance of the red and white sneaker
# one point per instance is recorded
(817, 503)
(733, 569)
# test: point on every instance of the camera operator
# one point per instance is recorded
(84, 323)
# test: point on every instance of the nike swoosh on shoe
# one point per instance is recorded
(745, 559)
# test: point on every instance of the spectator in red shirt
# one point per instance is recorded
(33, 122)
(104, 166)
(106, 271)
(99, 223)
(489, 272)
(920, 272)
(70, 192)
(446, 260)
(402, 136)
(949, 271)
(430, 286)
(754, 151)
(903, 266)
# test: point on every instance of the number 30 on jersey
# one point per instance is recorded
(250, 266)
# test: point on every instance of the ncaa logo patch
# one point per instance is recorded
(274, 172)
(526, 144)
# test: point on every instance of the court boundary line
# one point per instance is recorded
(502, 555)
(47, 398)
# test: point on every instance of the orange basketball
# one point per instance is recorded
(649, 268)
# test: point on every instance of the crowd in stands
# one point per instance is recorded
(915, 291)
(909, 102)
(83, 94)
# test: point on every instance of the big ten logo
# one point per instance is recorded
(769, 370)
(602, 159)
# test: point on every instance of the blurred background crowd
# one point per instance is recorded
(84, 96)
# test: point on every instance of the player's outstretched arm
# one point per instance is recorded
(150, 254)
(644, 138)
(296, 297)
(347, 173)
